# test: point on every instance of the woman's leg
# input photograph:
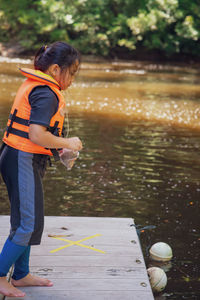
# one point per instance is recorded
(24, 185)
(21, 268)
(21, 275)
(38, 216)
(10, 253)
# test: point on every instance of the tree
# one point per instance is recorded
(104, 27)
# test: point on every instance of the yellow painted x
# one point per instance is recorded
(78, 243)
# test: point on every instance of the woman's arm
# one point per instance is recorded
(39, 135)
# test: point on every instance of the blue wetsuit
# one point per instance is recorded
(22, 173)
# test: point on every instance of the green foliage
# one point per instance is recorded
(104, 27)
(168, 26)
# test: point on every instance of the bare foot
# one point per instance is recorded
(31, 280)
(8, 289)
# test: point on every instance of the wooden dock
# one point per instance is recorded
(87, 258)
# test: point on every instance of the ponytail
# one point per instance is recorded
(39, 55)
(59, 53)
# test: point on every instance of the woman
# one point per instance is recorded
(34, 131)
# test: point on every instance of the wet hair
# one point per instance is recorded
(59, 53)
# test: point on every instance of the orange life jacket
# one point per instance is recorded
(17, 132)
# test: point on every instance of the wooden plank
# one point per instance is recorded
(95, 261)
(80, 224)
(91, 272)
(119, 242)
(82, 295)
(108, 238)
(4, 219)
(93, 284)
(125, 233)
(77, 250)
(98, 222)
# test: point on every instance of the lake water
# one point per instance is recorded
(140, 126)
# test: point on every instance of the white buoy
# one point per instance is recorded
(157, 278)
(160, 252)
(164, 265)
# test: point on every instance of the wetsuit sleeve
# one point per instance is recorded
(44, 104)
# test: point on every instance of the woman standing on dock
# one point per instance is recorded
(34, 131)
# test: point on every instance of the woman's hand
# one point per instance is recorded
(74, 143)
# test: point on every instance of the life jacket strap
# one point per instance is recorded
(11, 122)
(55, 154)
(64, 131)
(19, 120)
(55, 131)
(17, 132)
(10, 129)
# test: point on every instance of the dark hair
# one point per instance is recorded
(57, 53)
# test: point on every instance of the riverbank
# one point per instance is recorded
(13, 50)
